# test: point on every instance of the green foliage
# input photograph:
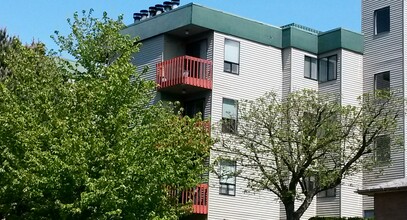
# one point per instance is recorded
(339, 218)
(307, 142)
(5, 45)
(85, 142)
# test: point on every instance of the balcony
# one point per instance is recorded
(198, 196)
(184, 74)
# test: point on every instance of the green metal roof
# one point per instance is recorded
(292, 35)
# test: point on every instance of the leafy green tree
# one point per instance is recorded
(6, 43)
(301, 145)
(83, 140)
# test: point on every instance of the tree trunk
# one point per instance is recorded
(303, 207)
(289, 210)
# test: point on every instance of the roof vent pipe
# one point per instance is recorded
(137, 17)
(175, 3)
(144, 14)
(152, 11)
(167, 6)
(159, 8)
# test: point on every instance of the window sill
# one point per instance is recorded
(329, 81)
(382, 34)
(230, 72)
(224, 194)
(311, 78)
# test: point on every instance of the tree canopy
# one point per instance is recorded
(83, 140)
(307, 142)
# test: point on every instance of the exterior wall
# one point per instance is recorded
(286, 55)
(293, 71)
(260, 71)
(173, 47)
(298, 81)
(405, 78)
(390, 206)
(330, 206)
(384, 52)
(352, 88)
(332, 87)
(293, 80)
(151, 53)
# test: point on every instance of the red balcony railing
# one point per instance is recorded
(206, 125)
(185, 70)
(198, 196)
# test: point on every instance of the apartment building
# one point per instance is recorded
(209, 59)
(384, 27)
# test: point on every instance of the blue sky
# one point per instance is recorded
(38, 19)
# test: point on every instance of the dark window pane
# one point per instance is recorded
(231, 190)
(382, 148)
(314, 69)
(332, 68)
(223, 189)
(328, 193)
(228, 125)
(382, 81)
(227, 67)
(331, 192)
(368, 213)
(307, 67)
(323, 69)
(382, 20)
(235, 68)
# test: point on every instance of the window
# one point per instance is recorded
(229, 116)
(232, 51)
(227, 179)
(327, 68)
(310, 68)
(382, 81)
(382, 20)
(382, 148)
(368, 213)
(328, 193)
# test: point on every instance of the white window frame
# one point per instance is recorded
(327, 69)
(309, 70)
(231, 64)
(229, 121)
(227, 181)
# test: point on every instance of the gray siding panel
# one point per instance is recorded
(329, 206)
(151, 53)
(332, 87)
(384, 52)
